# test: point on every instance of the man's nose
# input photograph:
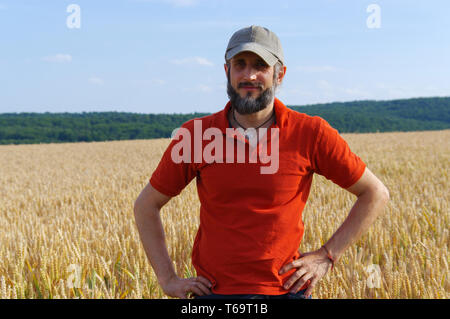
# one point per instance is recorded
(250, 73)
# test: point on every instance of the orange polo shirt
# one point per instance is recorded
(251, 223)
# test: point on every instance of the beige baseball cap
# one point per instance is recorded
(258, 40)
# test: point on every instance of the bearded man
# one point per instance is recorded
(251, 223)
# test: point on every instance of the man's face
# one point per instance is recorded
(250, 83)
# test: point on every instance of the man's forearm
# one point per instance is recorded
(151, 232)
(363, 213)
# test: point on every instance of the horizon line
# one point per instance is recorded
(194, 112)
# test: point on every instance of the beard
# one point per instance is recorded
(248, 104)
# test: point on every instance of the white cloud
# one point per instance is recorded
(58, 58)
(336, 92)
(295, 34)
(393, 91)
(158, 81)
(203, 24)
(193, 60)
(317, 68)
(175, 3)
(357, 93)
(324, 85)
(297, 91)
(182, 3)
(204, 88)
(96, 80)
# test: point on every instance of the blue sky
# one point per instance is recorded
(166, 56)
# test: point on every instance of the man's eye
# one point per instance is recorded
(261, 65)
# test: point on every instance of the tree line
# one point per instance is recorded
(347, 117)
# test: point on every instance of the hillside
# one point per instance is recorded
(418, 114)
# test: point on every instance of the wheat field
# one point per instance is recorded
(68, 230)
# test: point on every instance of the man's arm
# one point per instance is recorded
(147, 215)
(372, 198)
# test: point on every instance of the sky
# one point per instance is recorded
(167, 56)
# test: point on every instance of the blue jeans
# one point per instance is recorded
(298, 295)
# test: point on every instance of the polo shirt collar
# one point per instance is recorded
(281, 113)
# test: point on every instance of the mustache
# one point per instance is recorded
(248, 84)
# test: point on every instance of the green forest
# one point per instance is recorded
(418, 114)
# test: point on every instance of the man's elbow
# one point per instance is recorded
(387, 195)
(136, 207)
(382, 194)
(143, 207)
(377, 192)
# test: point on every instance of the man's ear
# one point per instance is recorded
(281, 74)
(227, 71)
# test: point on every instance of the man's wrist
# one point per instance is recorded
(328, 255)
(166, 279)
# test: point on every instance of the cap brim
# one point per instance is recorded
(268, 57)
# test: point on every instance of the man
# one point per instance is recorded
(250, 223)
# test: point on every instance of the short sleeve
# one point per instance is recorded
(171, 177)
(333, 158)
